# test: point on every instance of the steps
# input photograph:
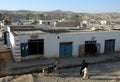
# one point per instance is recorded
(16, 50)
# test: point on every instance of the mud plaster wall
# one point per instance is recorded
(6, 56)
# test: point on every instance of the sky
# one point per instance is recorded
(80, 6)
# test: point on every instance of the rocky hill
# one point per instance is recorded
(57, 15)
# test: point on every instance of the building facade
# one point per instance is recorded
(46, 22)
(37, 43)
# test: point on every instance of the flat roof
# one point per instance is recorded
(26, 29)
(27, 32)
(38, 29)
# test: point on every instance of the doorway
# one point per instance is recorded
(36, 47)
(24, 49)
(66, 49)
(7, 38)
(90, 47)
(109, 46)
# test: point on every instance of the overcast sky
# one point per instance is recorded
(81, 6)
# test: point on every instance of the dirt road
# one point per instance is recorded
(104, 72)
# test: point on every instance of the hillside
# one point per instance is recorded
(57, 15)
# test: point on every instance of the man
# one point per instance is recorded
(83, 65)
(85, 73)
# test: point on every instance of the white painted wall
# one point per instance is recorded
(12, 42)
(51, 22)
(51, 42)
(103, 22)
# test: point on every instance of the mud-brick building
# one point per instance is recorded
(28, 42)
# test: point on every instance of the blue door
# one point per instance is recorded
(8, 38)
(109, 46)
(66, 49)
(24, 49)
(62, 48)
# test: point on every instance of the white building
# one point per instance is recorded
(47, 22)
(34, 43)
(103, 22)
(85, 22)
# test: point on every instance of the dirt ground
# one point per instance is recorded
(104, 72)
